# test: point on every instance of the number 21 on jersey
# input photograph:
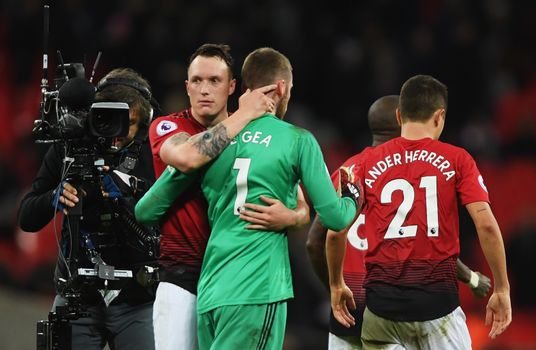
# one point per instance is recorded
(396, 228)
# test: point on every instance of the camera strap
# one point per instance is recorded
(133, 150)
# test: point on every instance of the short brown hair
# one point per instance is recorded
(221, 51)
(421, 96)
(263, 67)
(126, 85)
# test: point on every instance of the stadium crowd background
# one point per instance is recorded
(345, 54)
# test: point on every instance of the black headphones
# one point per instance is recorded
(143, 90)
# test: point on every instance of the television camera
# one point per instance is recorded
(85, 131)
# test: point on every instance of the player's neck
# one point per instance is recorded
(210, 120)
(417, 131)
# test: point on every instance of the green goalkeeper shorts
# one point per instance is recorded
(243, 327)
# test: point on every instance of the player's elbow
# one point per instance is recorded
(178, 160)
(334, 236)
(185, 166)
(27, 222)
(314, 247)
(339, 226)
(487, 229)
(27, 226)
(485, 226)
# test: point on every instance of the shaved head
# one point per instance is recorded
(382, 119)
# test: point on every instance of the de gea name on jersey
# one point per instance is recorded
(254, 137)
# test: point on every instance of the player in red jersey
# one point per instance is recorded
(384, 127)
(185, 228)
(411, 186)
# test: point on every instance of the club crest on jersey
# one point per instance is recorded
(481, 182)
(165, 127)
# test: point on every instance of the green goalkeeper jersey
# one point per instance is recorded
(269, 157)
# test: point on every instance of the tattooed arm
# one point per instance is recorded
(189, 153)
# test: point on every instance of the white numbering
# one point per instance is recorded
(396, 228)
(242, 164)
(353, 236)
(429, 183)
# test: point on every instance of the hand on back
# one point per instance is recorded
(271, 217)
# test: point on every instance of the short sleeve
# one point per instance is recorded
(470, 185)
(161, 129)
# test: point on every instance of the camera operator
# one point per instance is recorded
(117, 311)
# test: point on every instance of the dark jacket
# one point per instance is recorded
(110, 238)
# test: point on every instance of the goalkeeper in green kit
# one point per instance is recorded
(245, 278)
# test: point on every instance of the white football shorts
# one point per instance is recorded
(446, 333)
(174, 318)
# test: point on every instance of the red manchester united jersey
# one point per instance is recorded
(185, 228)
(411, 192)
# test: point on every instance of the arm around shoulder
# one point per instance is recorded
(188, 153)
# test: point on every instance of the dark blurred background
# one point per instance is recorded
(345, 54)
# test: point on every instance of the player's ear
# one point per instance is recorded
(232, 86)
(443, 113)
(398, 117)
(439, 116)
(281, 87)
(186, 86)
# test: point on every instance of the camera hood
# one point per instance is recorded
(108, 119)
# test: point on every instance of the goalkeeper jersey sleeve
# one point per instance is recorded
(334, 212)
(159, 198)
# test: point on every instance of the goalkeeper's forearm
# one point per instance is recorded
(159, 198)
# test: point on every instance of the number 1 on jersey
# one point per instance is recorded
(242, 164)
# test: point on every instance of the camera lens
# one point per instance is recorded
(109, 119)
